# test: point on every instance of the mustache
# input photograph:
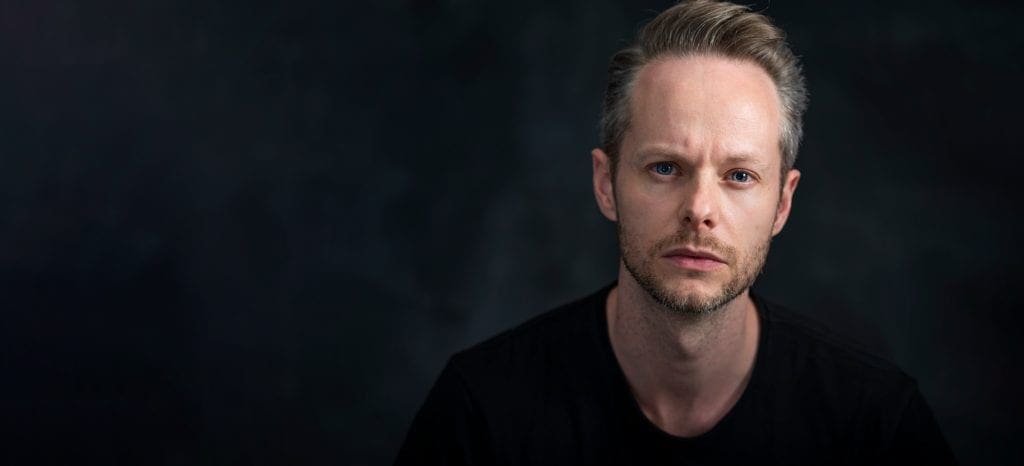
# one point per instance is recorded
(691, 239)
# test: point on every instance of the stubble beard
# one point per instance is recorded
(641, 265)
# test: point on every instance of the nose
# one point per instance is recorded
(700, 205)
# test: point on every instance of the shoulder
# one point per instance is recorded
(799, 334)
(553, 331)
(553, 352)
(831, 368)
(859, 396)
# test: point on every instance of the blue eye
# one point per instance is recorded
(740, 176)
(664, 168)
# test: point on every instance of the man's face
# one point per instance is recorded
(696, 193)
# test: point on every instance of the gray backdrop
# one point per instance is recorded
(252, 233)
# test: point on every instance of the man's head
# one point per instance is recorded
(699, 134)
(706, 27)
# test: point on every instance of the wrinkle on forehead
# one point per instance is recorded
(706, 105)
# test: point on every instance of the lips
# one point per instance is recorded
(694, 253)
(694, 259)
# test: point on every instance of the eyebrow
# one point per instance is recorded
(736, 158)
(746, 158)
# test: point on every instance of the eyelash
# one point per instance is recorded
(654, 168)
(750, 176)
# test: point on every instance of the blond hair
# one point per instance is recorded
(704, 27)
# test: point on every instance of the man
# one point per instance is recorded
(677, 363)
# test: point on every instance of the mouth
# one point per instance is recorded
(694, 259)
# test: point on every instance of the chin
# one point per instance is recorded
(685, 292)
(689, 296)
(696, 285)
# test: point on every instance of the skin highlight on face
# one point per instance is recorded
(744, 269)
(698, 173)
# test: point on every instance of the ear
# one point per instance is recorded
(786, 200)
(604, 188)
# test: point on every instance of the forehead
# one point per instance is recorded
(705, 105)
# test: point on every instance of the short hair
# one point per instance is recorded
(707, 27)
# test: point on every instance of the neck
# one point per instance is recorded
(686, 371)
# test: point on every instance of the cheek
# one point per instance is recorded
(750, 218)
(648, 214)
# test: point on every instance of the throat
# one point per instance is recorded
(685, 376)
(689, 416)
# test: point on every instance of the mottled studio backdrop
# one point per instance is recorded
(252, 233)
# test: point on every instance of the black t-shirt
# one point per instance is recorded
(550, 392)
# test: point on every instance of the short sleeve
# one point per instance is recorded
(448, 429)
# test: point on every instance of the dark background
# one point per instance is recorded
(252, 233)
